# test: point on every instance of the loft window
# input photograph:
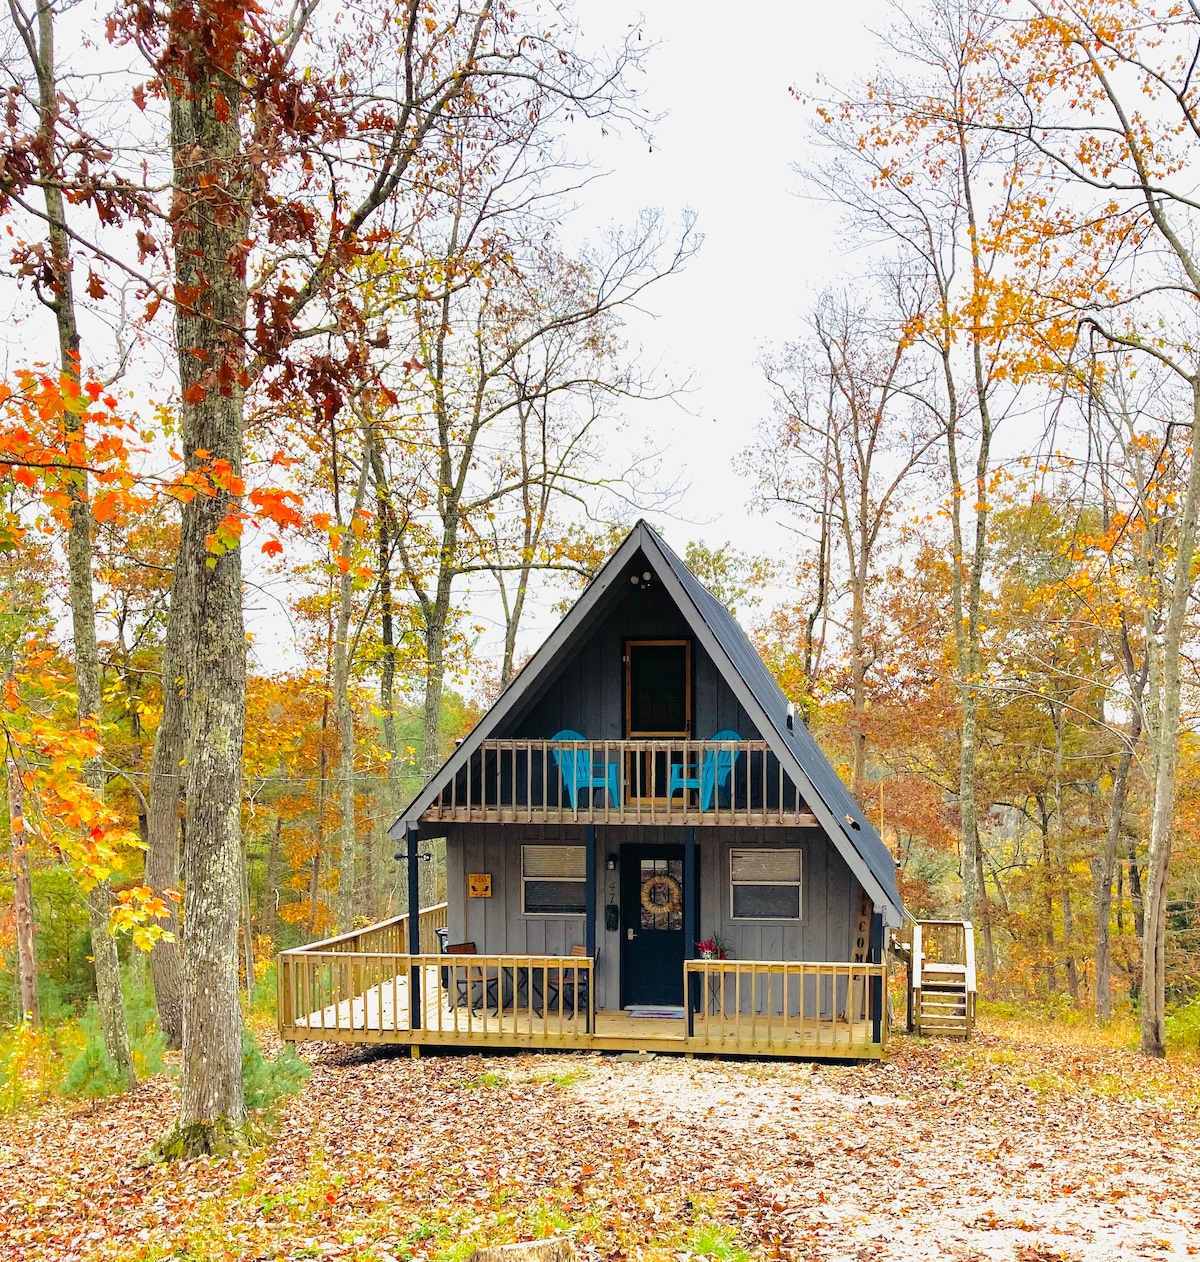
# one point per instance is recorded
(553, 880)
(764, 884)
(658, 688)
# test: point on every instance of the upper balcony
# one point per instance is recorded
(672, 782)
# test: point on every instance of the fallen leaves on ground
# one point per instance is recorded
(1006, 1148)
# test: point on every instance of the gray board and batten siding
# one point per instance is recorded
(587, 693)
(717, 639)
(829, 895)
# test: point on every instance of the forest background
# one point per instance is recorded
(298, 325)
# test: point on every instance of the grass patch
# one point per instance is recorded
(487, 1081)
(1057, 1025)
(568, 1078)
(715, 1240)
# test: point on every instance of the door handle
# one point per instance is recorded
(630, 934)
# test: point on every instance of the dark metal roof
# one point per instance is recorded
(744, 671)
(750, 667)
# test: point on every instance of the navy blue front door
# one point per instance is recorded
(652, 920)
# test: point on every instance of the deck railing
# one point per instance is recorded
(387, 935)
(784, 1007)
(622, 782)
(481, 1000)
(749, 1007)
(338, 954)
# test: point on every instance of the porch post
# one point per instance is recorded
(414, 927)
(875, 955)
(589, 888)
(691, 918)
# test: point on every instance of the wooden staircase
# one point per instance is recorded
(940, 955)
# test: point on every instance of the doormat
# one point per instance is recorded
(660, 1013)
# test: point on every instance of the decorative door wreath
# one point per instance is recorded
(661, 893)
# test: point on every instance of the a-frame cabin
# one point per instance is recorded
(645, 849)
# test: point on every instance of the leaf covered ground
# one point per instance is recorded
(1020, 1146)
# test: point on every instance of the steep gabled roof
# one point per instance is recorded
(746, 674)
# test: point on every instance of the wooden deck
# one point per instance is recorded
(739, 1007)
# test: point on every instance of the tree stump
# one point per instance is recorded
(557, 1249)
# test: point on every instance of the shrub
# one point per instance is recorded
(264, 991)
(27, 1057)
(64, 943)
(92, 1074)
(264, 1081)
(1183, 1026)
(146, 1041)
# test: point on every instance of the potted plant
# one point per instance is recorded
(713, 948)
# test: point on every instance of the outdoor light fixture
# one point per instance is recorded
(611, 863)
(642, 580)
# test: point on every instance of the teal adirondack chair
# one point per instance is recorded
(718, 768)
(576, 767)
(714, 771)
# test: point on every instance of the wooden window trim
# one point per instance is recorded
(797, 885)
(563, 880)
(630, 645)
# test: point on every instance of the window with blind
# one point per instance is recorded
(764, 884)
(553, 880)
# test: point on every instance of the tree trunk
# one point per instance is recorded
(211, 225)
(314, 889)
(969, 667)
(1103, 872)
(1061, 859)
(109, 997)
(247, 927)
(79, 537)
(314, 883)
(858, 671)
(162, 827)
(1154, 1039)
(371, 837)
(966, 632)
(435, 677)
(345, 715)
(270, 890)
(22, 897)
(387, 673)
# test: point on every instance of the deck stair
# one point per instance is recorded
(940, 955)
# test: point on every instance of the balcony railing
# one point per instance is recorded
(622, 782)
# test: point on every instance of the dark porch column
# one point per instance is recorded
(589, 886)
(691, 919)
(875, 955)
(414, 926)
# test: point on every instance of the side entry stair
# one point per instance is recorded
(940, 955)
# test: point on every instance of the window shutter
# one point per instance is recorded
(562, 863)
(766, 867)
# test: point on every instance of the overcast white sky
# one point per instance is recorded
(725, 149)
